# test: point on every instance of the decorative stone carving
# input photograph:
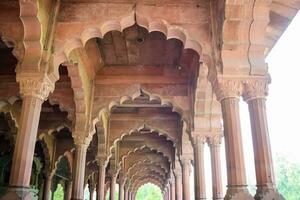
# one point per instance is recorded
(255, 88)
(35, 86)
(227, 87)
(80, 139)
(215, 140)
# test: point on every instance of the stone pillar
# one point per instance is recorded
(113, 185)
(228, 93)
(68, 194)
(126, 192)
(101, 179)
(91, 190)
(79, 171)
(47, 188)
(214, 146)
(34, 90)
(254, 95)
(200, 192)
(121, 189)
(186, 178)
(178, 183)
(129, 194)
(172, 188)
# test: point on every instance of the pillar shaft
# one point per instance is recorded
(91, 193)
(126, 192)
(101, 181)
(265, 180)
(113, 186)
(25, 142)
(233, 141)
(200, 192)
(261, 143)
(186, 179)
(79, 171)
(121, 191)
(216, 168)
(47, 188)
(173, 189)
(178, 182)
(236, 173)
(68, 194)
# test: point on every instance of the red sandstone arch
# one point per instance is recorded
(143, 168)
(133, 169)
(132, 152)
(123, 100)
(150, 162)
(148, 158)
(45, 146)
(148, 176)
(145, 172)
(165, 138)
(69, 156)
(79, 41)
(151, 181)
(152, 130)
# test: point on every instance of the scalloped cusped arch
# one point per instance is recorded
(79, 41)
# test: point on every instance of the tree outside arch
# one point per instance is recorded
(149, 191)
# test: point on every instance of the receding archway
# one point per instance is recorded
(149, 191)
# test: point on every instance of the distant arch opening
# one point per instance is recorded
(59, 192)
(149, 191)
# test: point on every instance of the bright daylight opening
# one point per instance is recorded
(149, 191)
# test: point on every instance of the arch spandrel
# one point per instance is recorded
(156, 143)
(165, 165)
(148, 176)
(137, 177)
(144, 168)
(148, 165)
(153, 157)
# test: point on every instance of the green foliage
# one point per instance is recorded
(149, 192)
(288, 178)
(59, 193)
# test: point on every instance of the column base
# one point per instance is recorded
(238, 193)
(18, 193)
(266, 193)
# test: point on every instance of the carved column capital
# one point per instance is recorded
(215, 140)
(199, 139)
(177, 173)
(256, 88)
(227, 88)
(185, 160)
(81, 140)
(35, 85)
(102, 161)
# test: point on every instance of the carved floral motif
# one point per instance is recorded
(215, 140)
(226, 88)
(255, 88)
(35, 86)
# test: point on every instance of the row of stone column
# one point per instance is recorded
(254, 92)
